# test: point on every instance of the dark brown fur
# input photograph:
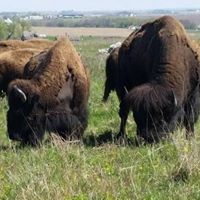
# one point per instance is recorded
(111, 72)
(159, 66)
(57, 94)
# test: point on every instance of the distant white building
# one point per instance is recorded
(132, 15)
(8, 21)
(33, 17)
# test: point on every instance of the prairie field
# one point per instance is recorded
(97, 167)
(78, 32)
(96, 32)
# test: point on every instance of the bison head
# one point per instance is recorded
(25, 118)
(31, 112)
(155, 121)
(156, 110)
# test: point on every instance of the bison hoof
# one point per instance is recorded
(121, 139)
(139, 141)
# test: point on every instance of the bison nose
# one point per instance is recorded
(14, 136)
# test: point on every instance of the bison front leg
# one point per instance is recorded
(123, 113)
(189, 126)
(191, 116)
(192, 110)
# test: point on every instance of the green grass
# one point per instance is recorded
(81, 171)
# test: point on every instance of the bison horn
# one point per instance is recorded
(175, 99)
(125, 89)
(21, 94)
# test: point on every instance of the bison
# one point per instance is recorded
(40, 44)
(111, 73)
(158, 79)
(12, 65)
(52, 97)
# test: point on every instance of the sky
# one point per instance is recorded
(95, 5)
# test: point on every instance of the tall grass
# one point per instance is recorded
(96, 168)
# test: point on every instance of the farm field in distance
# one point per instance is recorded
(77, 32)
(97, 168)
(98, 32)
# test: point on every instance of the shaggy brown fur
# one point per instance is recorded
(56, 96)
(111, 72)
(159, 66)
(41, 44)
(12, 65)
(34, 62)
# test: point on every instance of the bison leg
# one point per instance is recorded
(107, 91)
(189, 120)
(189, 130)
(123, 113)
(191, 114)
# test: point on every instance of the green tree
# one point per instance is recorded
(3, 30)
(25, 25)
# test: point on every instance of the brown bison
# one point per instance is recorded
(12, 65)
(39, 44)
(158, 79)
(111, 73)
(54, 96)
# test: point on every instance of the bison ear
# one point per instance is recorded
(19, 94)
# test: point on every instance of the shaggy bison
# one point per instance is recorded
(53, 97)
(158, 79)
(111, 72)
(12, 65)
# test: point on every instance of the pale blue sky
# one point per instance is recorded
(83, 5)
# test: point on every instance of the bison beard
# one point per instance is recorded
(159, 67)
(31, 131)
(67, 125)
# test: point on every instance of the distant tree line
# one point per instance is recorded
(104, 21)
(113, 22)
(13, 30)
(188, 24)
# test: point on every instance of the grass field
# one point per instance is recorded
(78, 32)
(97, 168)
